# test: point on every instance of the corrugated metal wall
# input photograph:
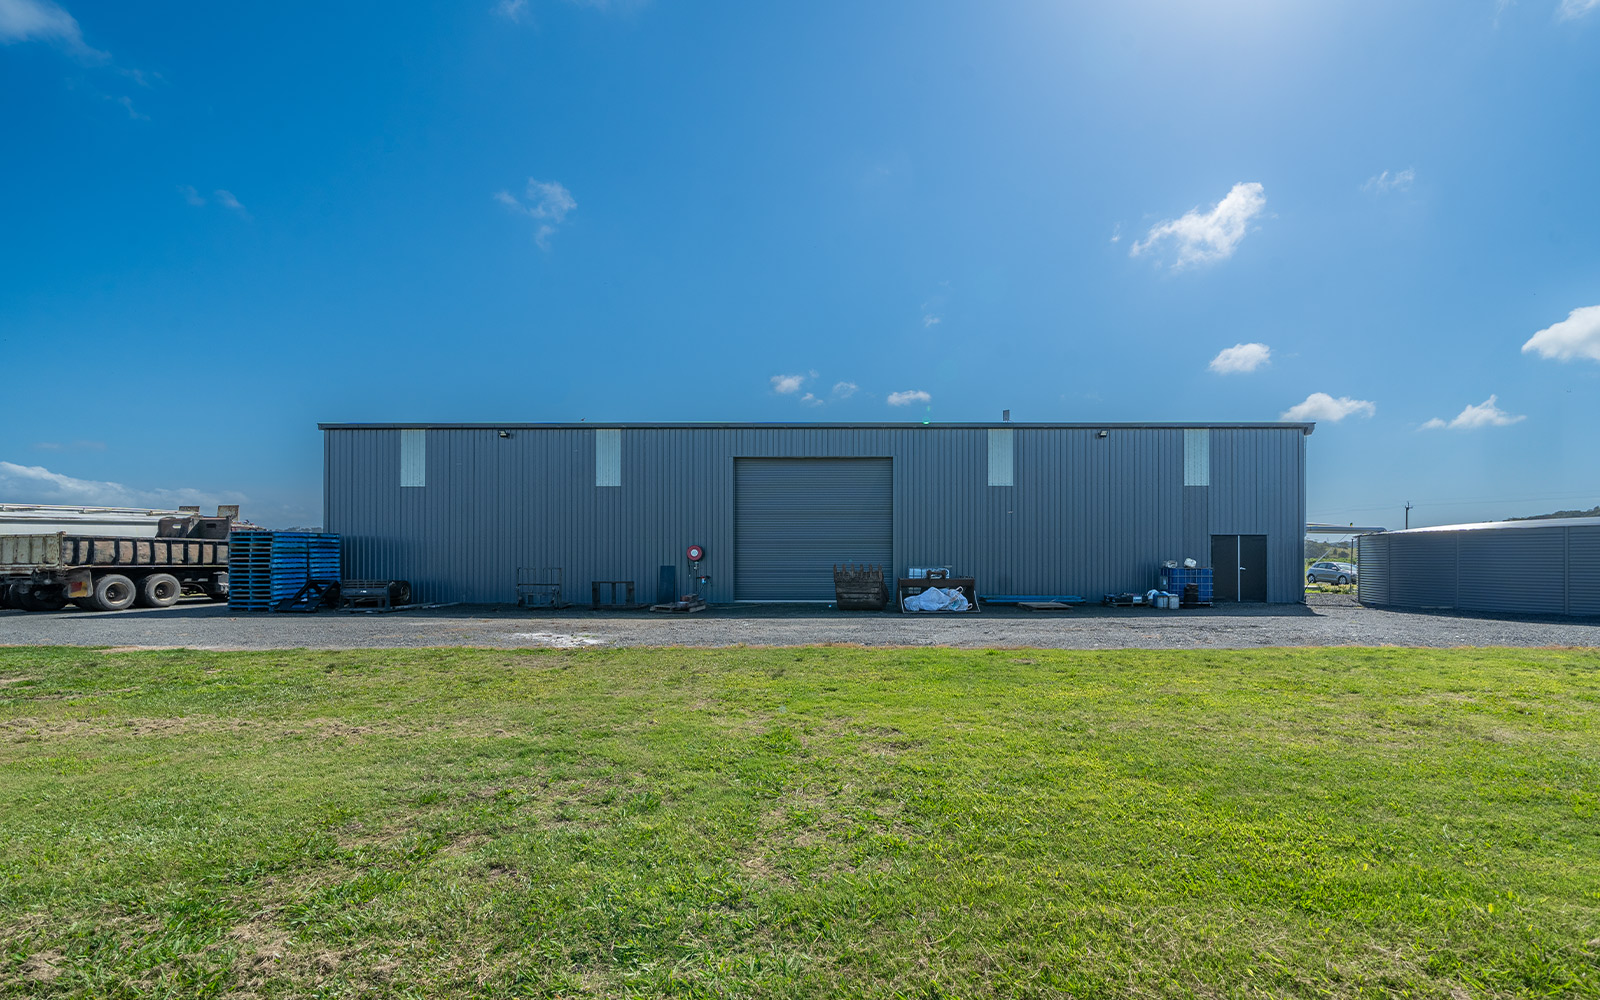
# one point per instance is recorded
(1424, 573)
(1372, 580)
(1526, 574)
(1523, 570)
(1583, 571)
(1087, 514)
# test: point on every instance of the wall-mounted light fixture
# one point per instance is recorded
(505, 434)
(1100, 434)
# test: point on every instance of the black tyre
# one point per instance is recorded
(1311, 578)
(214, 593)
(159, 590)
(1343, 580)
(31, 598)
(400, 593)
(113, 592)
(5, 595)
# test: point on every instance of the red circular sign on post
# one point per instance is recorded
(696, 553)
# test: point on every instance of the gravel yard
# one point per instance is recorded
(1326, 620)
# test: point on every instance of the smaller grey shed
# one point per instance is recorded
(1523, 567)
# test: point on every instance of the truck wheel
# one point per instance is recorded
(40, 598)
(5, 596)
(113, 592)
(159, 590)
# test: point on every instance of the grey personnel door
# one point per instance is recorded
(794, 518)
(1239, 567)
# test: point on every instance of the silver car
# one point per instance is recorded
(1331, 572)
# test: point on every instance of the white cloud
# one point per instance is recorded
(547, 201)
(517, 10)
(42, 20)
(1241, 358)
(227, 200)
(1577, 336)
(1576, 8)
(36, 484)
(127, 105)
(810, 399)
(611, 6)
(930, 320)
(785, 384)
(908, 397)
(551, 200)
(220, 196)
(1484, 414)
(1212, 236)
(1385, 182)
(844, 390)
(1321, 406)
(72, 446)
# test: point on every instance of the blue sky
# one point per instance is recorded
(224, 223)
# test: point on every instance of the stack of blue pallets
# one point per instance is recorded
(1173, 579)
(266, 567)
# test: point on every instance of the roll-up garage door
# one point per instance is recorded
(796, 517)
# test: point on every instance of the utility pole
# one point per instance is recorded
(1408, 513)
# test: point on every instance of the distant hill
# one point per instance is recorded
(1591, 512)
(1336, 551)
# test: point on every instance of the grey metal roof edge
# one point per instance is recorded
(1546, 522)
(1303, 427)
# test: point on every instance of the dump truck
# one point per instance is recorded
(111, 572)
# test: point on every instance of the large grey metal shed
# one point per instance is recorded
(1024, 508)
(1549, 566)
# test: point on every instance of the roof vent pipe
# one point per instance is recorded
(1005, 415)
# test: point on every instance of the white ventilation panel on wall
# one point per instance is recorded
(413, 458)
(608, 457)
(1197, 456)
(1002, 457)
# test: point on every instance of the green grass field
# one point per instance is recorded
(810, 822)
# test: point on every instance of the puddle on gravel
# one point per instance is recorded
(558, 640)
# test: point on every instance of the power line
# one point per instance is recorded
(1595, 494)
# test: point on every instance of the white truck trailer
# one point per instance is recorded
(109, 559)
